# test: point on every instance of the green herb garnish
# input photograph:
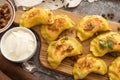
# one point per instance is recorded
(112, 34)
(53, 44)
(91, 26)
(66, 37)
(114, 54)
(110, 43)
(102, 43)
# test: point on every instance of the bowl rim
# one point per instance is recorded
(7, 33)
(12, 16)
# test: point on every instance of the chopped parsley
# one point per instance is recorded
(91, 26)
(102, 43)
(110, 43)
(53, 44)
(112, 34)
(66, 37)
(114, 54)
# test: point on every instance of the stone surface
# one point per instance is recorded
(97, 8)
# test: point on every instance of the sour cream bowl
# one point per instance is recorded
(18, 44)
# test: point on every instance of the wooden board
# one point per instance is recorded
(67, 65)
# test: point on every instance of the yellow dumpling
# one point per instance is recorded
(64, 47)
(88, 64)
(90, 25)
(36, 16)
(105, 43)
(114, 70)
(61, 23)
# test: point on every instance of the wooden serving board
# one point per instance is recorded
(67, 65)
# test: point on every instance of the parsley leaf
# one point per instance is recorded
(91, 26)
(53, 44)
(102, 43)
(114, 54)
(110, 43)
(66, 37)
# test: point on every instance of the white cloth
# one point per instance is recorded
(49, 4)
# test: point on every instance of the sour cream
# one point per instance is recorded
(18, 44)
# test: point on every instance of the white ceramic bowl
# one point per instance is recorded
(18, 44)
(12, 11)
